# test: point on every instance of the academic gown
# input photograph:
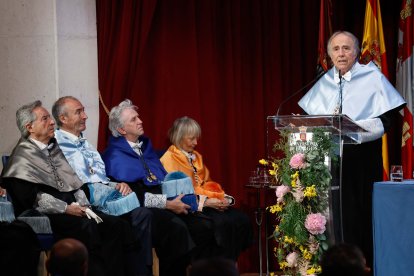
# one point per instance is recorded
(367, 94)
(233, 229)
(88, 165)
(107, 242)
(174, 236)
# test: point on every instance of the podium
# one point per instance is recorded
(342, 130)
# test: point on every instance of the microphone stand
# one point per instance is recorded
(340, 92)
(320, 75)
(341, 144)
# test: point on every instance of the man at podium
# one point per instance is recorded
(365, 95)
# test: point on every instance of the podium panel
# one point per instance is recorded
(340, 126)
(341, 130)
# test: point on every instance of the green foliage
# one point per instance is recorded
(292, 222)
(305, 192)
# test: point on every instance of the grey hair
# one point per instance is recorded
(181, 127)
(115, 120)
(58, 108)
(25, 115)
(357, 50)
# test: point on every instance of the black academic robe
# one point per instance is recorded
(361, 167)
(109, 243)
(30, 171)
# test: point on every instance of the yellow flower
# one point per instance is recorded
(272, 172)
(318, 269)
(288, 240)
(294, 178)
(274, 165)
(283, 265)
(315, 269)
(306, 254)
(275, 208)
(263, 162)
(310, 191)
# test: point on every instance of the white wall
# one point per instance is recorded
(48, 49)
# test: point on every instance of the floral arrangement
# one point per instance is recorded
(303, 179)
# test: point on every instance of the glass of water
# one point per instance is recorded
(396, 173)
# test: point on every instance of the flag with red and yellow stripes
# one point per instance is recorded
(405, 76)
(373, 49)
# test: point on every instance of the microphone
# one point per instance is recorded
(318, 76)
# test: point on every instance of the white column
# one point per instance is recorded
(48, 49)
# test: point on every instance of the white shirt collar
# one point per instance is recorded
(71, 135)
(347, 76)
(41, 145)
(190, 156)
(132, 144)
(136, 147)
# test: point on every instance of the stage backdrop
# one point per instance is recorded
(227, 64)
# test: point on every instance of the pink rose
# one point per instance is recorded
(292, 259)
(297, 161)
(315, 223)
(281, 191)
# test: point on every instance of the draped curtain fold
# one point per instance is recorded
(227, 64)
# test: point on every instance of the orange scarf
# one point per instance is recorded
(175, 160)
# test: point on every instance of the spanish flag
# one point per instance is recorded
(405, 77)
(373, 49)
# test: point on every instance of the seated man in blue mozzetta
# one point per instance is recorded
(37, 175)
(130, 157)
(86, 161)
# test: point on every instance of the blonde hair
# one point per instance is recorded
(181, 127)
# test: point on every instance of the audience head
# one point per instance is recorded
(343, 260)
(184, 133)
(68, 257)
(214, 266)
(19, 250)
(124, 121)
(70, 115)
(34, 121)
(343, 49)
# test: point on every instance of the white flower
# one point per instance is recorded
(292, 259)
(298, 194)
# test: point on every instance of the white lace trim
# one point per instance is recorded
(155, 201)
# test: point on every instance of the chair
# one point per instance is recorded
(4, 160)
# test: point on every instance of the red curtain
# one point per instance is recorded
(227, 64)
